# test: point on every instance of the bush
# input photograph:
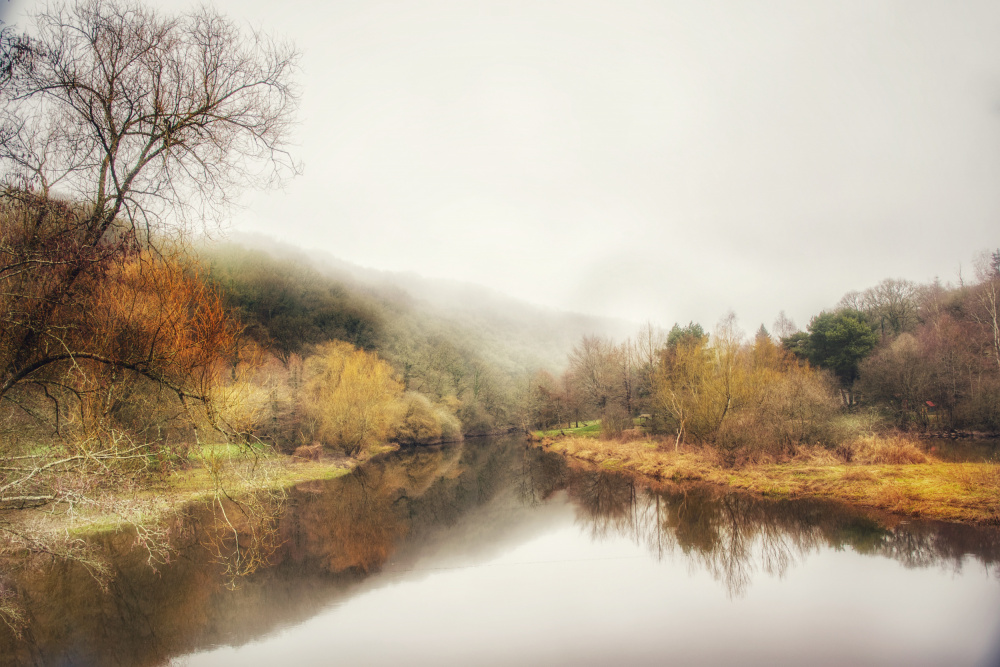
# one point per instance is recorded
(750, 436)
(475, 420)
(309, 452)
(451, 428)
(348, 396)
(615, 421)
(420, 422)
(416, 422)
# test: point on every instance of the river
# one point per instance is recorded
(491, 552)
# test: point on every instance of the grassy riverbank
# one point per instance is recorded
(216, 471)
(885, 472)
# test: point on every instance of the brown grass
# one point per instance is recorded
(309, 452)
(887, 472)
(859, 475)
(891, 449)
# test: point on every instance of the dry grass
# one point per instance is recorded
(859, 475)
(886, 472)
(273, 474)
(891, 449)
(817, 455)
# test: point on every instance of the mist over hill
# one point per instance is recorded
(517, 335)
(456, 348)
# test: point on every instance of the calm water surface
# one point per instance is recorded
(494, 553)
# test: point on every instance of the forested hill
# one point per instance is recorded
(446, 340)
(515, 334)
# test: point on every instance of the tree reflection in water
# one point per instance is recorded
(735, 535)
(335, 535)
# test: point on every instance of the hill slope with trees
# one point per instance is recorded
(469, 351)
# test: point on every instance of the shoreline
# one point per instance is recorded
(956, 492)
(155, 503)
(960, 492)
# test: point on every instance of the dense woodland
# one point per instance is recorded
(459, 370)
(898, 355)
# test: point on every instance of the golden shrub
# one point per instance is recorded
(348, 394)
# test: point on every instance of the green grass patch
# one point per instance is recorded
(587, 429)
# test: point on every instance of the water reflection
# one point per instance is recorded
(415, 510)
(733, 535)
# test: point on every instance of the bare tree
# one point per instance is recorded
(119, 128)
(626, 359)
(142, 115)
(650, 341)
(142, 120)
(592, 364)
(890, 306)
(987, 299)
(784, 326)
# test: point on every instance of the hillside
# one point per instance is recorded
(519, 335)
(450, 341)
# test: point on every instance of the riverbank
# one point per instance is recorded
(888, 473)
(218, 472)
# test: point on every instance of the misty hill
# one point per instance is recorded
(519, 335)
(458, 344)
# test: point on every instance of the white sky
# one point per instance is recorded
(663, 160)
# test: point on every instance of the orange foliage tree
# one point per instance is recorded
(118, 369)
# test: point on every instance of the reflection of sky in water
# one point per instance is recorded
(552, 594)
(493, 553)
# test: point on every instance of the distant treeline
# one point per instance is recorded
(925, 356)
(898, 355)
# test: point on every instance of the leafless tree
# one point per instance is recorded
(120, 128)
(986, 310)
(783, 326)
(141, 120)
(890, 306)
(141, 115)
(591, 365)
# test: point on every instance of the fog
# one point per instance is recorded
(662, 160)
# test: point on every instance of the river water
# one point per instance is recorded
(494, 553)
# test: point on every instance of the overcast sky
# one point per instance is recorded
(662, 160)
